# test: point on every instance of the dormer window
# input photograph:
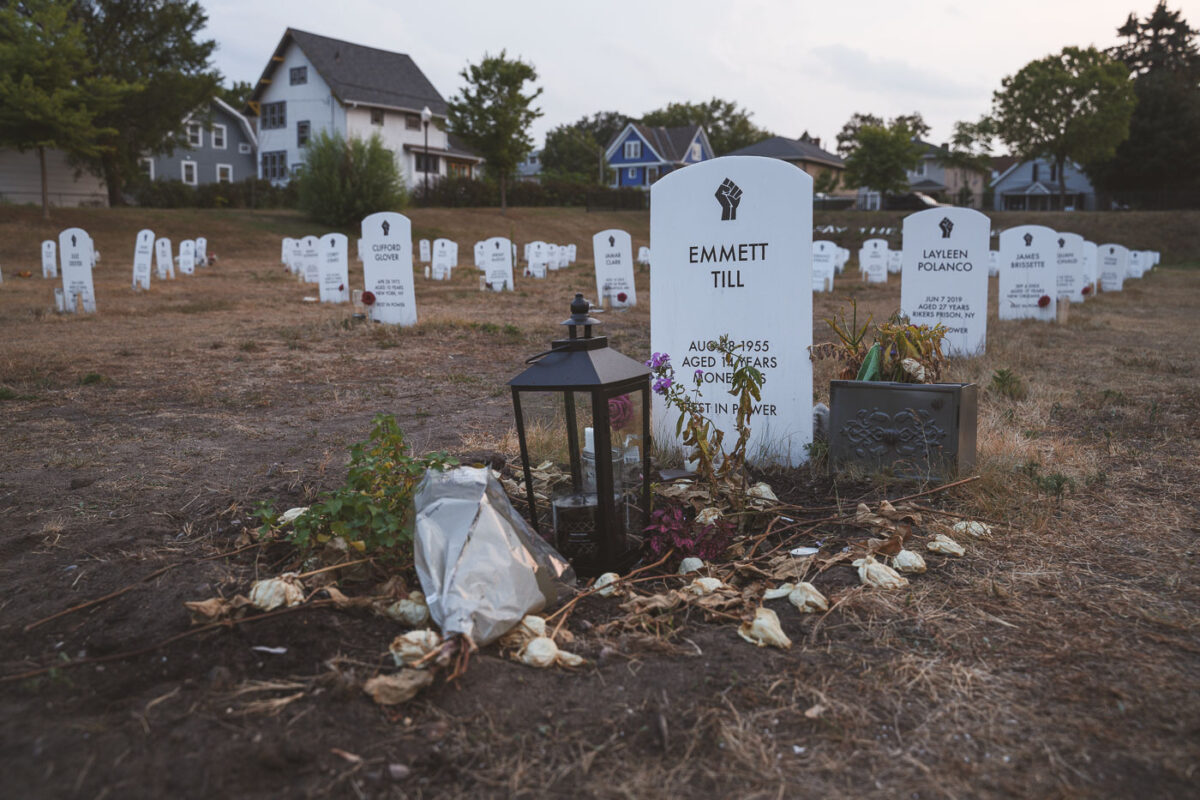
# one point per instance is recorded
(195, 134)
(633, 150)
(376, 116)
(298, 75)
(697, 152)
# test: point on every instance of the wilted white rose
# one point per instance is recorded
(808, 598)
(764, 630)
(878, 575)
(945, 545)
(409, 648)
(908, 561)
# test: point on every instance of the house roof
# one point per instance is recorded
(671, 144)
(247, 128)
(927, 185)
(359, 75)
(790, 150)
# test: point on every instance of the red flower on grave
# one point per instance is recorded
(622, 297)
(1087, 289)
(1043, 301)
(368, 298)
(341, 287)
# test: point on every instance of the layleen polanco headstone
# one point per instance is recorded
(824, 256)
(1091, 272)
(612, 252)
(442, 259)
(334, 286)
(425, 251)
(497, 263)
(143, 254)
(1028, 273)
(187, 257)
(201, 251)
(310, 259)
(49, 259)
(1114, 266)
(162, 259)
(732, 243)
(387, 267)
(944, 278)
(873, 260)
(75, 250)
(1072, 271)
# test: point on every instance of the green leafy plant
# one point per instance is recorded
(342, 181)
(902, 351)
(373, 511)
(1007, 383)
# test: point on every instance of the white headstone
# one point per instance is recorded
(143, 254)
(895, 261)
(643, 256)
(296, 260)
(310, 259)
(75, 252)
(201, 251)
(1114, 266)
(1137, 263)
(873, 260)
(612, 253)
(443, 259)
(824, 265)
(1091, 267)
(570, 254)
(993, 263)
(1028, 273)
(732, 239)
(334, 285)
(1072, 271)
(162, 259)
(285, 255)
(537, 259)
(358, 249)
(842, 259)
(480, 259)
(425, 251)
(552, 257)
(453, 254)
(187, 257)
(497, 263)
(387, 267)
(944, 278)
(49, 259)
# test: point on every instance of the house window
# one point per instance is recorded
(920, 170)
(376, 116)
(274, 115)
(218, 137)
(412, 122)
(188, 172)
(224, 173)
(631, 173)
(244, 148)
(302, 133)
(1035, 171)
(427, 163)
(147, 165)
(274, 165)
(1054, 172)
(697, 153)
(298, 75)
(633, 150)
(195, 135)
(458, 169)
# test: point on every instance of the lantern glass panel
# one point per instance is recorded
(626, 431)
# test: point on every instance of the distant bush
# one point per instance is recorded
(455, 192)
(250, 193)
(341, 181)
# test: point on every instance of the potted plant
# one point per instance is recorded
(890, 409)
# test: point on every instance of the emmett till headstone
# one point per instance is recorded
(75, 251)
(497, 263)
(944, 275)
(143, 254)
(334, 286)
(162, 259)
(1028, 273)
(49, 262)
(873, 260)
(732, 242)
(187, 257)
(1072, 271)
(387, 267)
(612, 251)
(1114, 266)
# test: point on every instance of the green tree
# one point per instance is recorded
(879, 156)
(728, 127)
(970, 147)
(47, 99)
(154, 45)
(237, 94)
(493, 112)
(1074, 105)
(847, 138)
(340, 181)
(1161, 152)
(577, 150)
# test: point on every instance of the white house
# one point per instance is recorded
(313, 83)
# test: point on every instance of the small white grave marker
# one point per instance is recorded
(895, 262)
(824, 260)
(1072, 271)
(643, 257)
(334, 285)
(993, 263)
(537, 259)
(443, 260)
(873, 260)
(201, 251)
(1114, 266)
(480, 259)
(162, 259)
(1091, 267)
(310, 259)
(497, 262)
(387, 267)
(143, 254)
(75, 252)
(612, 252)
(1028, 273)
(425, 251)
(187, 257)
(49, 259)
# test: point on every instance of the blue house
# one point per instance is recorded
(221, 148)
(640, 154)
(1035, 186)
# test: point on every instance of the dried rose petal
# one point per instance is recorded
(622, 297)
(1043, 301)
(368, 298)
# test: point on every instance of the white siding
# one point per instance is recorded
(21, 180)
(396, 134)
(311, 102)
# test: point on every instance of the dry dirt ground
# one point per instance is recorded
(1059, 658)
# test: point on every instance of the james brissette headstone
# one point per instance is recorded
(612, 253)
(387, 267)
(944, 275)
(49, 259)
(498, 264)
(873, 260)
(143, 254)
(1072, 272)
(732, 243)
(75, 253)
(334, 285)
(1114, 266)
(1028, 273)
(187, 257)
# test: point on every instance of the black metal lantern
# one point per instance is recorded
(575, 403)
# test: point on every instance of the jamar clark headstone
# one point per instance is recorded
(143, 254)
(944, 276)
(1028, 273)
(732, 243)
(1114, 266)
(387, 267)
(334, 286)
(498, 263)
(612, 252)
(1072, 271)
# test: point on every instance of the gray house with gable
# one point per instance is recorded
(1034, 186)
(221, 148)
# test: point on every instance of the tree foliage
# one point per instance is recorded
(847, 138)
(341, 181)
(879, 156)
(236, 94)
(49, 98)
(577, 150)
(493, 112)
(1073, 105)
(1160, 153)
(971, 146)
(728, 127)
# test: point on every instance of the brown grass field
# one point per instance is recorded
(1059, 658)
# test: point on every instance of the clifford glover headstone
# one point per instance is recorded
(944, 275)
(1114, 266)
(334, 286)
(1028, 273)
(732, 243)
(498, 263)
(387, 267)
(612, 252)
(143, 254)
(1072, 271)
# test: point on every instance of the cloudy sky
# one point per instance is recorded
(795, 65)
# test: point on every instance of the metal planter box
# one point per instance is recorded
(924, 431)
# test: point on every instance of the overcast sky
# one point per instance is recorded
(795, 65)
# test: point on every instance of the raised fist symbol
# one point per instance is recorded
(612, 241)
(728, 195)
(386, 226)
(1028, 239)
